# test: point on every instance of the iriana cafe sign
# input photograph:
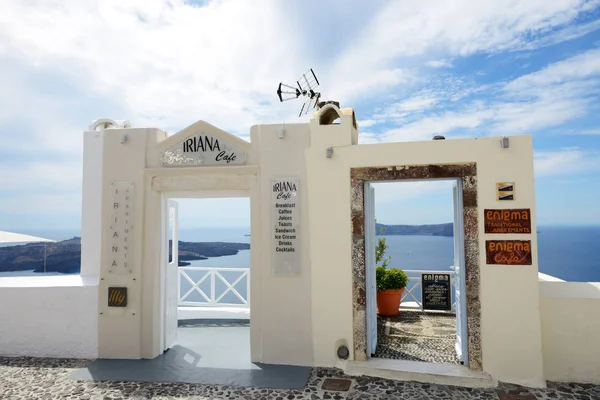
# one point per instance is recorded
(203, 149)
(286, 235)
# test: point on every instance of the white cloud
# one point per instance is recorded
(365, 123)
(565, 162)
(595, 131)
(368, 137)
(564, 34)
(439, 64)
(404, 31)
(561, 92)
(416, 103)
(167, 63)
(41, 176)
(164, 60)
(528, 117)
(427, 127)
(578, 67)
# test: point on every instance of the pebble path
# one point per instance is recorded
(43, 378)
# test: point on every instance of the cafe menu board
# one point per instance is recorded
(285, 246)
(435, 292)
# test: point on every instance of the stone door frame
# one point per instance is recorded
(467, 173)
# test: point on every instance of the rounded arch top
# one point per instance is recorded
(330, 112)
(106, 123)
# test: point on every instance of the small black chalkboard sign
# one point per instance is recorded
(435, 292)
(117, 297)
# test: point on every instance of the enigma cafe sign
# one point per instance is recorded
(203, 149)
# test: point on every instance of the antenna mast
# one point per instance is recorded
(306, 85)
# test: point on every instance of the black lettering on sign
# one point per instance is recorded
(284, 187)
(435, 292)
(117, 297)
(201, 143)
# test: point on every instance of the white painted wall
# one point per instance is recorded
(510, 324)
(122, 162)
(570, 314)
(53, 316)
(91, 208)
(283, 302)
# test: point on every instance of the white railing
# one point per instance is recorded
(409, 300)
(214, 275)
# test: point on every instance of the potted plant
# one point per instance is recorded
(390, 282)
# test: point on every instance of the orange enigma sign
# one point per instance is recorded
(507, 221)
(508, 252)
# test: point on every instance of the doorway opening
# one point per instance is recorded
(463, 178)
(206, 261)
(414, 231)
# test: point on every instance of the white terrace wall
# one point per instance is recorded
(52, 316)
(570, 314)
(510, 321)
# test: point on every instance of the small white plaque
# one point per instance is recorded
(203, 149)
(286, 233)
(120, 228)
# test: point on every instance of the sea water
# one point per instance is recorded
(565, 252)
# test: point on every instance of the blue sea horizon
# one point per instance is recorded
(566, 252)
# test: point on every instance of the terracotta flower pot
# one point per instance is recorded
(388, 302)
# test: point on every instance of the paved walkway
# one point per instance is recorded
(417, 336)
(31, 378)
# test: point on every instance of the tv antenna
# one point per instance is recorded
(305, 87)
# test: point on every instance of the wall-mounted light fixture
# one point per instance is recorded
(124, 137)
(504, 142)
(329, 152)
(343, 352)
(281, 132)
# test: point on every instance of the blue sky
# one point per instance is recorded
(411, 69)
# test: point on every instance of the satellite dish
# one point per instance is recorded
(305, 87)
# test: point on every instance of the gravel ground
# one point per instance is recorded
(417, 336)
(43, 378)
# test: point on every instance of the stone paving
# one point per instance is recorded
(417, 336)
(42, 378)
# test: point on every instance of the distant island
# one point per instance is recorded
(65, 256)
(189, 251)
(420, 230)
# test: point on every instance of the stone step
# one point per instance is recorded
(442, 374)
